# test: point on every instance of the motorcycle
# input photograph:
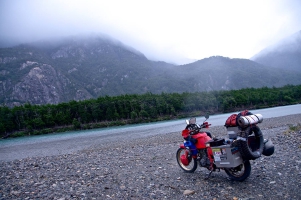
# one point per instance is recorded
(245, 142)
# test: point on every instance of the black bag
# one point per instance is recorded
(216, 142)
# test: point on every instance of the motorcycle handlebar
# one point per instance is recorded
(206, 125)
(197, 127)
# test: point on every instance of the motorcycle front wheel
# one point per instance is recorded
(239, 173)
(189, 167)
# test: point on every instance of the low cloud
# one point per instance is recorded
(173, 31)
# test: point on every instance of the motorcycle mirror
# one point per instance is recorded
(207, 116)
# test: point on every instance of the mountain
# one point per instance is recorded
(220, 73)
(78, 68)
(286, 54)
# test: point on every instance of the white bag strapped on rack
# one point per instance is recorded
(244, 121)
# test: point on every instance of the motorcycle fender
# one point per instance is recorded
(182, 146)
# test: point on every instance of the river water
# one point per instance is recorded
(69, 142)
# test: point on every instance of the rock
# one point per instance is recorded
(15, 192)
(188, 192)
(272, 182)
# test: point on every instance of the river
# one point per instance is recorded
(73, 141)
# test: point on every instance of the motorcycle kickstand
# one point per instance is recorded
(209, 175)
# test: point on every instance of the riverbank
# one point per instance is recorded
(146, 168)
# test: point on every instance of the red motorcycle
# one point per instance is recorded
(233, 155)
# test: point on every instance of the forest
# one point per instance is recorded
(107, 111)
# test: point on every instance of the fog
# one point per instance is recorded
(170, 30)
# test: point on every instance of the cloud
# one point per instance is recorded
(169, 30)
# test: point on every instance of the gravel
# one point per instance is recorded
(147, 169)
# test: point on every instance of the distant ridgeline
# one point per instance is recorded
(80, 68)
(125, 109)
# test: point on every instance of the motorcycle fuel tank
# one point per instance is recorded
(201, 138)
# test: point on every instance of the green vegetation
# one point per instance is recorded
(125, 109)
(295, 128)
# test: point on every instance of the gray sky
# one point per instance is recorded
(167, 30)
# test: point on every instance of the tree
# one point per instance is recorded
(228, 103)
(38, 123)
(76, 124)
(143, 114)
(2, 129)
(134, 115)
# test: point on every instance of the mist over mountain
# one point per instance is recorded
(78, 68)
(285, 54)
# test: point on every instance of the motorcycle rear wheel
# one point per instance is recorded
(191, 167)
(239, 173)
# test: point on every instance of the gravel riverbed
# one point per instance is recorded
(147, 169)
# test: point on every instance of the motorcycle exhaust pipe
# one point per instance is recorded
(245, 121)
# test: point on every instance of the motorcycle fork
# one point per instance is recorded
(189, 155)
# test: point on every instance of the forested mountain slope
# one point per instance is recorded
(78, 68)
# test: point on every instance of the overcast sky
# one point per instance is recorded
(168, 30)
